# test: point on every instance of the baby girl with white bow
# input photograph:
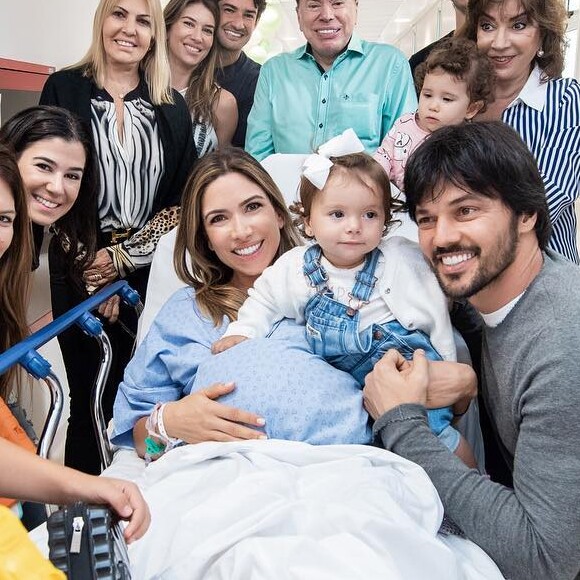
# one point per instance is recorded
(358, 293)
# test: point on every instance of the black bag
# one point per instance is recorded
(86, 544)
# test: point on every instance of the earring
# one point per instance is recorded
(540, 53)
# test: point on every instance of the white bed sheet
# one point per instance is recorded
(289, 510)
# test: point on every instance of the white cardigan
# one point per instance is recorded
(408, 286)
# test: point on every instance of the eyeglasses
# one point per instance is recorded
(459, 7)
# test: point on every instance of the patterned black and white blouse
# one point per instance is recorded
(204, 135)
(130, 168)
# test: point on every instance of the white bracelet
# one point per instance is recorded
(151, 423)
(170, 442)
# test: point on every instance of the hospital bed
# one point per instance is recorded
(286, 509)
(27, 356)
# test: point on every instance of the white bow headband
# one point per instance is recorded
(316, 167)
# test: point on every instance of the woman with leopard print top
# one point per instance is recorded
(142, 134)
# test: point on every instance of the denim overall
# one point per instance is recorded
(332, 330)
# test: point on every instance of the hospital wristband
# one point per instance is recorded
(170, 442)
(151, 423)
(152, 448)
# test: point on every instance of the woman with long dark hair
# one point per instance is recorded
(15, 261)
(23, 475)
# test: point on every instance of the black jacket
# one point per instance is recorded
(71, 90)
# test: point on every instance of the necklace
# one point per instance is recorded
(119, 90)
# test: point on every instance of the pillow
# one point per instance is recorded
(299, 394)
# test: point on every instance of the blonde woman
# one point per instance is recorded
(193, 56)
(142, 134)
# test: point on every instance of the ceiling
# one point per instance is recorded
(378, 20)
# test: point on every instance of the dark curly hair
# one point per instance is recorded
(459, 57)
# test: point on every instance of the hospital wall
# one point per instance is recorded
(49, 32)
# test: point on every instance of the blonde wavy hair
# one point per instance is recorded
(195, 263)
(155, 64)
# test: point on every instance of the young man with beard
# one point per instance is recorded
(478, 199)
(238, 74)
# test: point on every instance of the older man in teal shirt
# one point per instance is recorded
(334, 82)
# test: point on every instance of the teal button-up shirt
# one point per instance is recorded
(298, 106)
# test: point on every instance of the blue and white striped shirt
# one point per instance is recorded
(547, 117)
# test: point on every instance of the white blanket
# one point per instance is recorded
(286, 510)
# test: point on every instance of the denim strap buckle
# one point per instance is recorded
(313, 270)
(365, 278)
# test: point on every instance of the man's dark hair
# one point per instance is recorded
(260, 6)
(488, 158)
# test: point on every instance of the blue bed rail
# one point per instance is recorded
(25, 353)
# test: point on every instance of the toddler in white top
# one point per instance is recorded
(357, 292)
(455, 83)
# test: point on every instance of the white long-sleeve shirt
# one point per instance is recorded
(407, 286)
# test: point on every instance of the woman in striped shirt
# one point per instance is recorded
(525, 41)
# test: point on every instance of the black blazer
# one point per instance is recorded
(72, 90)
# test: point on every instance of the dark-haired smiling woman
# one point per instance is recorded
(525, 40)
(56, 160)
(22, 473)
(141, 130)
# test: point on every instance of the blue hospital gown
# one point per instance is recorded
(300, 395)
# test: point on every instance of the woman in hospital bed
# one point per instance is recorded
(237, 506)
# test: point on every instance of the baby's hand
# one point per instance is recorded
(227, 342)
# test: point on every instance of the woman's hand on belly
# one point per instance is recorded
(227, 342)
(200, 417)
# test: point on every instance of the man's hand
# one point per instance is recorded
(227, 342)
(394, 381)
